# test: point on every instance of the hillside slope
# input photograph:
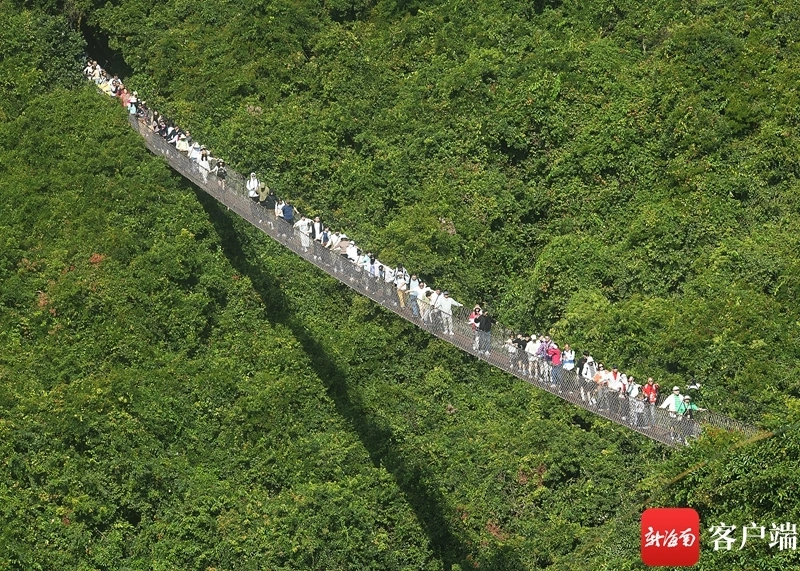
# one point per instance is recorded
(176, 392)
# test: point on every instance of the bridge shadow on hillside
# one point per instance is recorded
(408, 472)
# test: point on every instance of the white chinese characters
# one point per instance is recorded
(654, 538)
(783, 535)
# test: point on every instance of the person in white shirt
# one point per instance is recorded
(423, 299)
(634, 401)
(304, 227)
(672, 402)
(588, 388)
(352, 252)
(531, 348)
(252, 186)
(511, 348)
(205, 167)
(567, 358)
(445, 305)
(568, 365)
(374, 267)
(194, 152)
(432, 317)
(388, 275)
(401, 282)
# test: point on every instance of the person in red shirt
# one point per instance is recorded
(554, 356)
(650, 390)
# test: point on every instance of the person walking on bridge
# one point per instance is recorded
(304, 228)
(671, 404)
(221, 172)
(650, 391)
(252, 187)
(445, 305)
(287, 210)
(205, 167)
(484, 324)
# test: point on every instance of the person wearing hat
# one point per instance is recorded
(587, 371)
(182, 145)
(221, 172)
(263, 191)
(687, 408)
(673, 401)
(401, 282)
(445, 305)
(269, 199)
(531, 349)
(671, 404)
(352, 251)
(252, 187)
(689, 427)
(194, 152)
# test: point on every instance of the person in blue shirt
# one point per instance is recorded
(288, 213)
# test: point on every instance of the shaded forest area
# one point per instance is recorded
(176, 392)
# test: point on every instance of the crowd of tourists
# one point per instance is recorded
(607, 390)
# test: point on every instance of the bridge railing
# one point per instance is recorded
(648, 420)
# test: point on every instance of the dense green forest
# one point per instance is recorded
(176, 392)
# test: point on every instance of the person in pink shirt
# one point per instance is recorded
(554, 357)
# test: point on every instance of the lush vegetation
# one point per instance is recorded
(623, 175)
(177, 393)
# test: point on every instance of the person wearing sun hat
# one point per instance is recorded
(195, 152)
(445, 305)
(689, 427)
(587, 369)
(672, 401)
(671, 404)
(687, 408)
(252, 186)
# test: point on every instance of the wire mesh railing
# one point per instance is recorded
(647, 419)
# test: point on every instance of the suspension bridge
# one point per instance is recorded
(669, 429)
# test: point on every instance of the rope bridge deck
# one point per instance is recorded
(664, 428)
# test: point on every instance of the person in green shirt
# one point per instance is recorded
(687, 408)
(689, 427)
